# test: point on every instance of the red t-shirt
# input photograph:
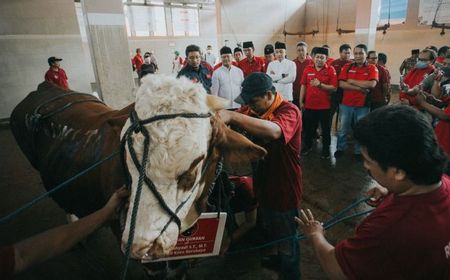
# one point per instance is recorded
(137, 61)
(58, 78)
(412, 79)
(377, 93)
(339, 63)
(218, 65)
(356, 98)
(300, 68)
(278, 180)
(406, 237)
(244, 199)
(442, 131)
(6, 262)
(316, 98)
(329, 61)
(257, 65)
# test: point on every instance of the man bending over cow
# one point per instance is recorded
(276, 125)
(407, 236)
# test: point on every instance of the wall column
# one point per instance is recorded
(367, 17)
(108, 44)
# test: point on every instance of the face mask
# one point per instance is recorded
(446, 71)
(421, 64)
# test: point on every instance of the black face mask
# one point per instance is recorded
(446, 71)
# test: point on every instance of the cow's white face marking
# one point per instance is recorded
(174, 145)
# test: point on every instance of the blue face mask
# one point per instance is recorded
(421, 64)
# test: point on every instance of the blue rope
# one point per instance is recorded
(328, 224)
(55, 189)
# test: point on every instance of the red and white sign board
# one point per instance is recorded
(203, 239)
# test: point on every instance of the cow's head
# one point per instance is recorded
(183, 153)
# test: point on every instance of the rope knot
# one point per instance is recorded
(135, 122)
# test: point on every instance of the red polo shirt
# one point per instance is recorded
(338, 64)
(58, 78)
(442, 131)
(316, 98)
(329, 61)
(368, 72)
(257, 65)
(406, 237)
(300, 68)
(377, 93)
(278, 179)
(137, 61)
(412, 79)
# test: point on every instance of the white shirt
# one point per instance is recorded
(226, 83)
(210, 58)
(283, 85)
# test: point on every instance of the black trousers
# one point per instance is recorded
(311, 119)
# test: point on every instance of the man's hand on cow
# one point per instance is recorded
(116, 200)
(308, 225)
(225, 115)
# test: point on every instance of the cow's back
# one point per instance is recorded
(66, 143)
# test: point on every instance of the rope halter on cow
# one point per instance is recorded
(138, 126)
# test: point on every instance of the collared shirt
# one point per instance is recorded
(257, 65)
(210, 58)
(300, 67)
(283, 74)
(368, 72)
(412, 79)
(218, 65)
(202, 75)
(317, 98)
(226, 83)
(58, 78)
(339, 63)
(408, 64)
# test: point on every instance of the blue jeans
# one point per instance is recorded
(346, 115)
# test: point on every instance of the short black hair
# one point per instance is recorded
(344, 47)
(237, 49)
(301, 43)
(192, 48)
(362, 46)
(434, 48)
(382, 57)
(442, 50)
(371, 52)
(400, 136)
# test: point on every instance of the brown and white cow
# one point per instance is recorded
(63, 144)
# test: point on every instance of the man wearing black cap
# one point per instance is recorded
(319, 81)
(409, 62)
(276, 124)
(56, 75)
(269, 56)
(282, 71)
(227, 79)
(301, 62)
(251, 63)
(194, 70)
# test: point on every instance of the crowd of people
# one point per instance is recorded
(280, 103)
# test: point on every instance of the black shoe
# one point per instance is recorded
(325, 155)
(305, 151)
(338, 154)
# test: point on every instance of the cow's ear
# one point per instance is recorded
(216, 103)
(237, 148)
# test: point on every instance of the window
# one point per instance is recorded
(185, 22)
(145, 20)
(397, 11)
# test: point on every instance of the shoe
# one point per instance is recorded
(305, 151)
(338, 154)
(325, 155)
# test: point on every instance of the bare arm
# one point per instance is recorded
(363, 84)
(435, 111)
(266, 130)
(58, 240)
(326, 87)
(347, 86)
(302, 96)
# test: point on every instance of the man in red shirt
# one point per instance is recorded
(269, 56)
(276, 123)
(251, 63)
(344, 58)
(302, 60)
(380, 93)
(411, 84)
(407, 236)
(318, 82)
(357, 80)
(56, 75)
(137, 61)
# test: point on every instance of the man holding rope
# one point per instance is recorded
(407, 236)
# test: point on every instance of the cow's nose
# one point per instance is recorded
(138, 251)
